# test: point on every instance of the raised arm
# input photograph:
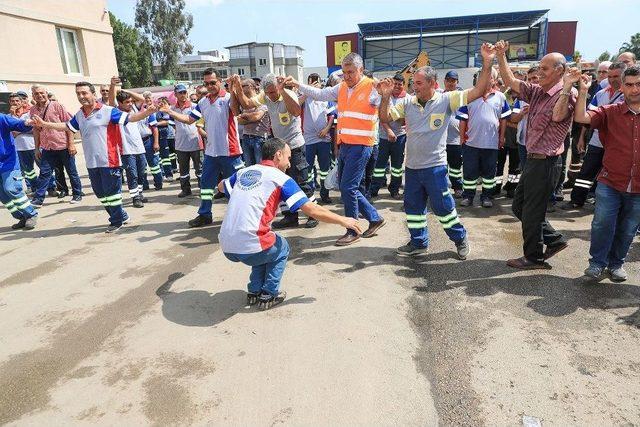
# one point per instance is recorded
(581, 115)
(329, 93)
(182, 118)
(112, 91)
(561, 108)
(234, 106)
(235, 86)
(505, 72)
(290, 99)
(488, 52)
(61, 126)
(384, 87)
(141, 115)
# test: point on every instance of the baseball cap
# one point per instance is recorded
(22, 94)
(180, 88)
(452, 75)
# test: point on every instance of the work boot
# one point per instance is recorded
(487, 203)
(184, 193)
(200, 221)
(466, 202)
(463, 248)
(137, 202)
(20, 224)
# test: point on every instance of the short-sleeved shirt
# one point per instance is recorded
(51, 139)
(544, 136)
(426, 126)
(483, 116)
(619, 129)
(187, 137)
(131, 137)
(314, 119)
(397, 126)
(260, 127)
(166, 131)
(453, 131)
(285, 126)
(146, 124)
(220, 124)
(24, 140)
(101, 135)
(255, 194)
(603, 97)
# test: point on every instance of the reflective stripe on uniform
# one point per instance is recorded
(356, 115)
(397, 172)
(488, 183)
(379, 172)
(206, 194)
(358, 132)
(583, 183)
(416, 221)
(449, 220)
(469, 184)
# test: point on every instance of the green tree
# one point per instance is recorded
(632, 46)
(167, 26)
(133, 54)
(604, 56)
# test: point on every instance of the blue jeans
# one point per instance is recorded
(479, 162)
(13, 197)
(267, 267)
(212, 169)
(522, 153)
(615, 222)
(107, 186)
(352, 162)
(430, 184)
(49, 160)
(153, 160)
(393, 152)
(367, 179)
(252, 149)
(136, 167)
(321, 150)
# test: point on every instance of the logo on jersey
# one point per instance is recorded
(250, 179)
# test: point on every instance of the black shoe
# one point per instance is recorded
(311, 223)
(326, 201)
(61, 194)
(286, 222)
(200, 221)
(409, 250)
(569, 206)
(184, 194)
(266, 300)
(20, 224)
(252, 298)
(137, 203)
(219, 195)
(75, 199)
(52, 192)
(158, 187)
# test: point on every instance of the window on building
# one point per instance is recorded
(241, 71)
(222, 74)
(69, 51)
(262, 61)
(183, 75)
(239, 52)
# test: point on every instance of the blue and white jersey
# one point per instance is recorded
(131, 137)
(255, 194)
(603, 97)
(101, 135)
(483, 117)
(24, 140)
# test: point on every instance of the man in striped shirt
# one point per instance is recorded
(550, 114)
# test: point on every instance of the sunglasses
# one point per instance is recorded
(103, 91)
(211, 83)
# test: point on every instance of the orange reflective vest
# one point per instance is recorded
(357, 118)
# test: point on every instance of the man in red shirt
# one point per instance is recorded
(617, 215)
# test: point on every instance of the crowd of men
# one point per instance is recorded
(270, 143)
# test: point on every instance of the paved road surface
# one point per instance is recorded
(149, 327)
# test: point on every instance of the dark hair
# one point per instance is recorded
(209, 71)
(14, 95)
(271, 147)
(533, 69)
(86, 84)
(632, 71)
(399, 77)
(618, 66)
(122, 96)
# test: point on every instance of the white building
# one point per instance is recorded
(257, 59)
(191, 67)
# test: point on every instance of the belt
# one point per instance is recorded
(536, 156)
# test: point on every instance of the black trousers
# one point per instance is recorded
(183, 158)
(537, 181)
(586, 178)
(509, 151)
(299, 172)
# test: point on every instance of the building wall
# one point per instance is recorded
(562, 38)
(34, 23)
(266, 53)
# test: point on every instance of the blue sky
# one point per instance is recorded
(602, 25)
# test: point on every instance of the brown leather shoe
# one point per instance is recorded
(373, 228)
(347, 239)
(524, 264)
(552, 250)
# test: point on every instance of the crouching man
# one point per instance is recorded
(245, 235)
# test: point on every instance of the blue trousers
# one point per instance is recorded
(153, 161)
(107, 186)
(136, 167)
(454, 161)
(252, 149)
(27, 166)
(13, 197)
(321, 151)
(165, 157)
(352, 163)
(479, 162)
(389, 152)
(430, 184)
(48, 162)
(367, 179)
(615, 223)
(267, 267)
(212, 168)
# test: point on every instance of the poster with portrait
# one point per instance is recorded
(341, 49)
